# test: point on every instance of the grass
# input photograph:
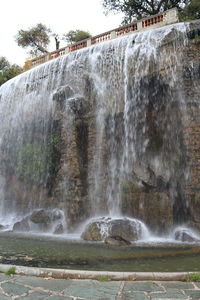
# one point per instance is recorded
(196, 37)
(103, 278)
(193, 277)
(11, 271)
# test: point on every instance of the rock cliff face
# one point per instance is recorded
(109, 130)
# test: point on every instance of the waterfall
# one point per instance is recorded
(81, 132)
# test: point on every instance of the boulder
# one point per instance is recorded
(186, 235)
(22, 226)
(92, 232)
(126, 229)
(59, 229)
(45, 219)
(2, 227)
(79, 106)
(129, 230)
(56, 214)
(63, 93)
(116, 241)
(40, 217)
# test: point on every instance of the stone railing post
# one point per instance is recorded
(47, 57)
(139, 25)
(113, 35)
(66, 50)
(171, 16)
(89, 42)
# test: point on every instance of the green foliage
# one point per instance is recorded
(103, 278)
(74, 36)
(138, 8)
(193, 277)
(191, 11)
(8, 71)
(4, 63)
(37, 38)
(11, 271)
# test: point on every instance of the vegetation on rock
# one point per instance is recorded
(11, 271)
(195, 277)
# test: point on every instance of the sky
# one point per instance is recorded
(59, 15)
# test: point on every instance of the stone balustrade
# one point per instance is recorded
(168, 17)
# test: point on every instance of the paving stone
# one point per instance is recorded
(135, 296)
(4, 277)
(39, 295)
(170, 294)
(3, 297)
(142, 286)
(197, 284)
(193, 294)
(14, 289)
(177, 285)
(93, 289)
(59, 298)
(50, 284)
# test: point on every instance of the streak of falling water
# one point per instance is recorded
(141, 61)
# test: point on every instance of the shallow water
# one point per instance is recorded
(49, 252)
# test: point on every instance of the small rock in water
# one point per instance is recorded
(22, 226)
(2, 227)
(59, 229)
(116, 241)
(184, 235)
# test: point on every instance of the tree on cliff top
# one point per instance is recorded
(36, 38)
(191, 11)
(74, 36)
(8, 71)
(137, 8)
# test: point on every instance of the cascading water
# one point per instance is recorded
(90, 133)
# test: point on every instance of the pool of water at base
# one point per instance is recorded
(45, 251)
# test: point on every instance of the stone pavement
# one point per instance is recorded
(37, 288)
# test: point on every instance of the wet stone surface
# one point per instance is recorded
(37, 288)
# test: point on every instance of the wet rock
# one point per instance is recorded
(185, 235)
(56, 214)
(116, 241)
(22, 226)
(79, 106)
(93, 232)
(2, 227)
(98, 230)
(40, 217)
(126, 229)
(63, 93)
(46, 218)
(59, 229)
